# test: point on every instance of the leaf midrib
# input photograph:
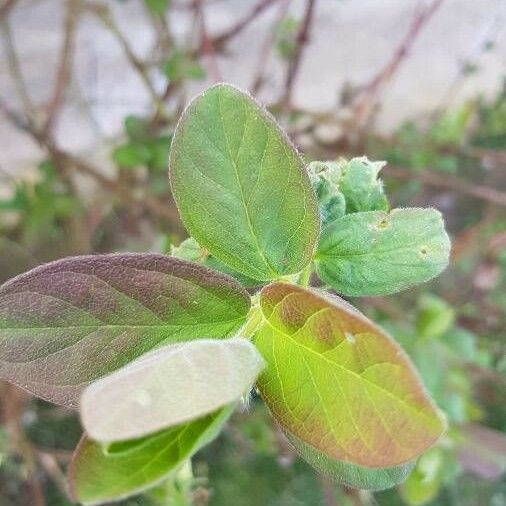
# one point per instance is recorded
(348, 371)
(272, 272)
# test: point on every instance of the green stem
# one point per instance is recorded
(305, 276)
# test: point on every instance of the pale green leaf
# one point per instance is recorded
(348, 474)
(377, 253)
(169, 386)
(98, 476)
(240, 186)
(340, 383)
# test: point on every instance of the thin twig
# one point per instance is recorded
(432, 178)
(491, 35)
(103, 13)
(15, 70)
(301, 40)
(63, 73)
(6, 8)
(365, 101)
(65, 161)
(256, 10)
(266, 48)
(207, 50)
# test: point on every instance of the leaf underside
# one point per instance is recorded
(70, 322)
(98, 476)
(241, 187)
(171, 385)
(378, 253)
(340, 383)
(351, 475)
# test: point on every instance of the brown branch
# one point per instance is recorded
(206, 44)
(6, 8)
(103, 13)
(65, 161)
(366, 99)
(256, 10)
(301, 40)
(432, 178)
(13, 404)
(15, 70)
(64, 70)
(266, 48)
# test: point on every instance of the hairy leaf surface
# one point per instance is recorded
(339, 382)
(70, 322)
(171, 385)
(351, 475)
(98, 476)
(241, 187)
(359, 184)
(377, 253)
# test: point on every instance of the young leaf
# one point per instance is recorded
(169, 386)
(98, 476)
(377, 253)
(191, 250)
(241, 187)
(325, 178)
(70, 322)
(351, 475)
(359, 184)
(340, 383)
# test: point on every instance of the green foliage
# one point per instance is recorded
(349, 474)
(492, 133)
(190, 250)
(158, 7)
(142, 149)
(144, 335)
(378, 253)
(285, 35)
(241, 187)
(360, 186)
(43, 207)
(181, 66)
(99, 476)
(325, 178)
(85, 317)
(320, 348)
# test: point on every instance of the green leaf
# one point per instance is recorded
(136, 128)
(180, 66)
(158, 7)
(325, 178)
(377, 253)
(159, 149)
(70, 322)
(348, 474)
(434, 316)
(132, 154)
(425, 481)
(241, 187)
(171, 385)
(359, 184)
(190, 249)
(97, 476)
(340, 383)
